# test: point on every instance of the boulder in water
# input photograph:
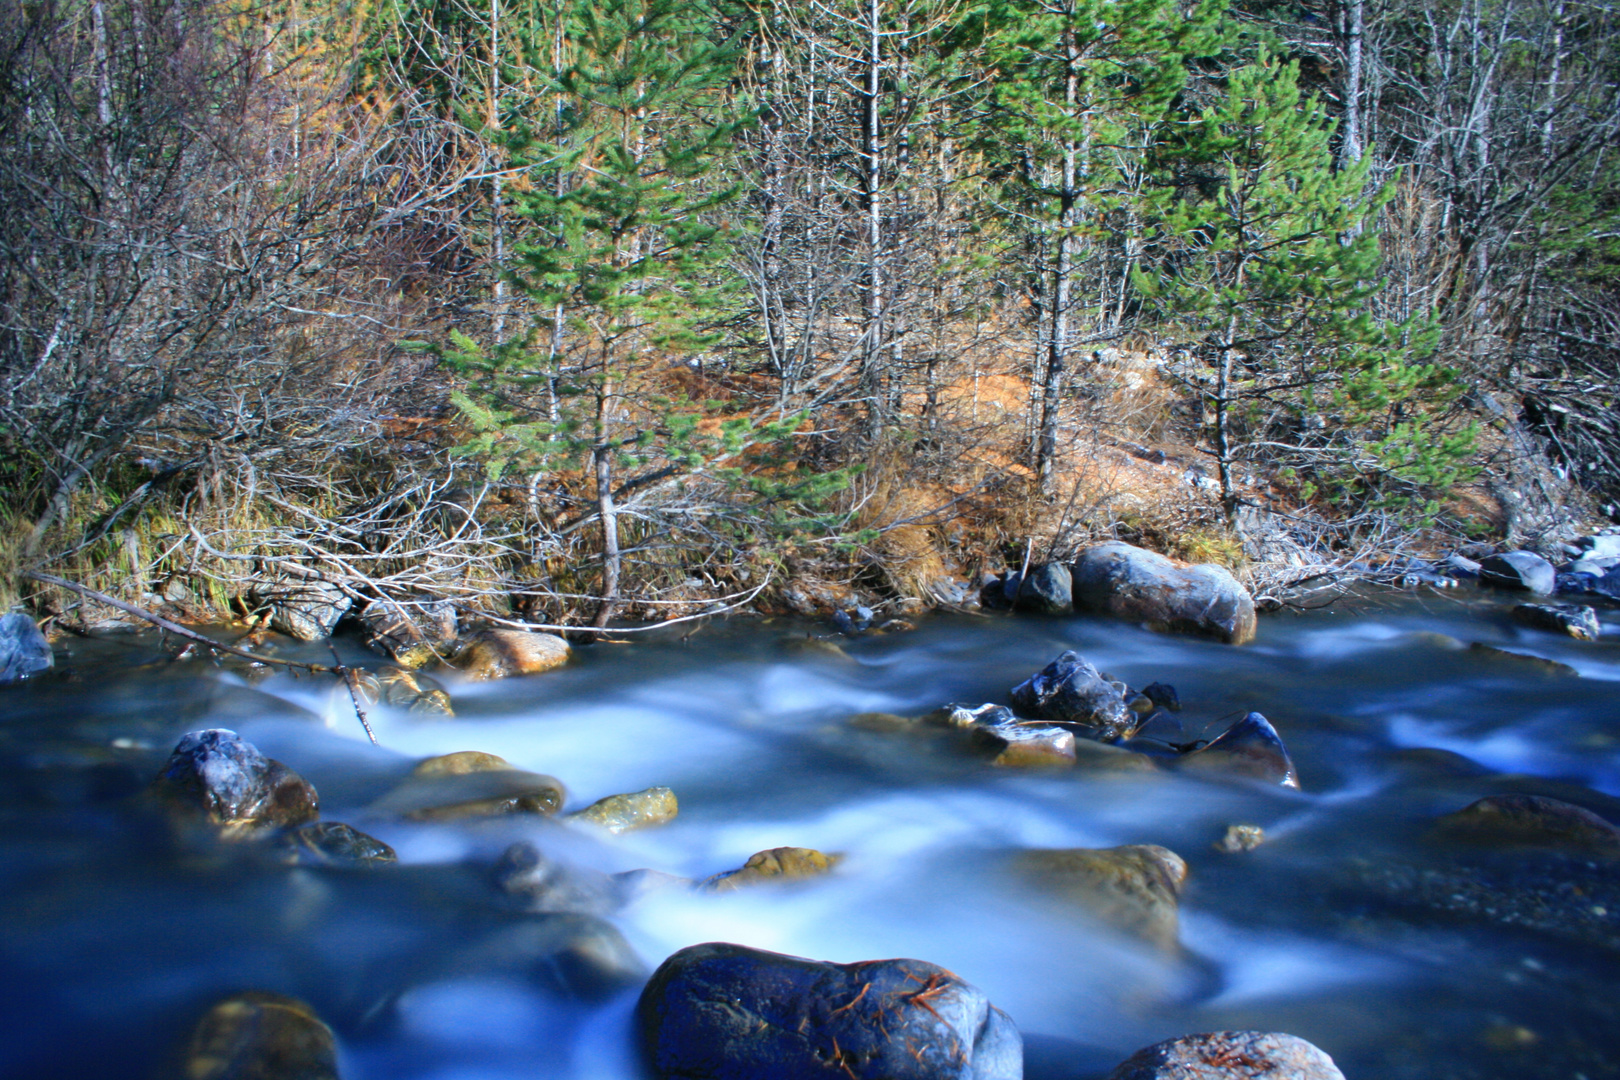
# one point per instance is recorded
(539, 884)
(1020, 745)
(1229, 1055)
(258, 1036)
(1573, 620)
(1135, 887)
(1250, 747)
(331, 843)
(216, 776)
(461, 763)
(1047, 589)
(1070, 691)
(1143, 586)
(23, 649)
(636, 810)
(496, 654)
(1525, 661)
(451, 796)
(728, 1012)
(776, 864)
(1522, 570)
(1531, 820)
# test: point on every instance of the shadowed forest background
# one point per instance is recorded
(579, 310)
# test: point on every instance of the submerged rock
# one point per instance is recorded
(1573, 620)
(259, 1036)
(496, 654)
(1229, 1055)
(1070, 691)
(1143, 586)
(1531, 820)
(1523, 570)
(728, 1012)
(1047, 588)
(216, 776)
(578, 954)
(1020, 745)
(776, 864)
(1135, 887)
(23, 649)
(1240, 838)
(461, 763)
(636, 810)
(540, 884)
(449, 796)
(331, 843)
(1523, 660)
(413, 691)
(1250, 747)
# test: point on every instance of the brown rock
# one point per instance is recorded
(783, 863)
(636, 810)
(460, 763)
(1143, 586)
(1229, 1055)
(496, 654)
(1135, 887)
(1240, 838)
(1531, 820)
(258, 1036)
(484, 793)
(217, 777)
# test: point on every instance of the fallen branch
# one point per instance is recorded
(342, 671)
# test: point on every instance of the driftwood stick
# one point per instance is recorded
(351, 679)
(342, 671)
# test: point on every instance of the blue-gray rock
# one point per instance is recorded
(1047, 589)
(1601, 546)
(1229, 1055)
(1531, 820)
(1524, 570)
(1573, 620)
(332, 843)
(1250, 747)
(1163, 695)
(23, 649)
(1070, 691)
(305, 609)
(216, 776)
(1460, 566)
(728, 1012)
(1582, 583)
(1143, 586)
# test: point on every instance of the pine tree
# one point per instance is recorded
(1266, 261)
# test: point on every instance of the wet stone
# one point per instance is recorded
(218, 777)
(540, 884)
(1135, 888)
(1229, 1055)
(776, 864)
(1240, 838)
(728, 1012)
(306, 609)
(259, 1036)
(1251, 747)
(1070, 691)
(497, 654)
(23, 649)
(461, 763)
(1047, 589)
(1021, 745)
(332, 843)
(1524, 661)
(484, 793)
(636, 810)
(1572, 620)
(1143, 586)
(1531, 820)
(578, 954)
(413, 632)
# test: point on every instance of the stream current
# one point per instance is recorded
(112, 942)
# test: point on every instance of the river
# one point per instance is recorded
(113, 940)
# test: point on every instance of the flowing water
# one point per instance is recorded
(113, 941)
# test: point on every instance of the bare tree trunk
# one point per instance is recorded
(1057, 350)
(872, 205)
(602, 455)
